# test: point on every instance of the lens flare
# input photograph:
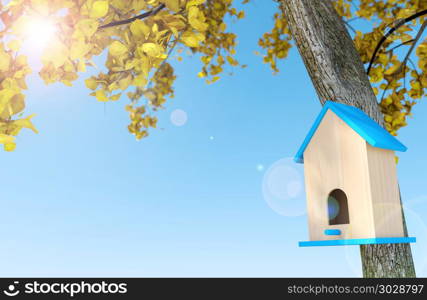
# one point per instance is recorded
(178, 117)
(283, 188)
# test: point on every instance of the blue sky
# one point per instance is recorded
(83, 198)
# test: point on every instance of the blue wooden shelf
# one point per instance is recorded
(387, 240)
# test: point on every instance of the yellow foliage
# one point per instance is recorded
(138, 51)
(276, 42)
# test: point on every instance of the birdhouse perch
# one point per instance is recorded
(351, 180)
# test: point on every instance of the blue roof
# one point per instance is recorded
(367, 128)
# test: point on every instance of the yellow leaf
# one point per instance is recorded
(100, 96)
(140, 80)
(125, 82)
(16, 105)
(99, 9)
(9, 147)
(6, 94)
(195, 2)
(172, 4)
(6, 139)
(140, 29)
(21, 60)
(14, 45)
(56, 54)
(4, 61)
(79, 49)
(196, 19)
(392, 69)
(131, 64)
(113, 86)
(26, 123)
(81, 67)
(215, 78)
(153, 50)
(376, 74)
(422, 50)
(115, 97)
(86, 28)
(91, 83)
(192, 39)
(117, 48)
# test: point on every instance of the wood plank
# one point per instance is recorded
(385, 192)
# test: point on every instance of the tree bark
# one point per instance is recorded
(337, 73)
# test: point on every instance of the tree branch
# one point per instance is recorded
(390, 32)
(353, 19)
(384, 91)
(402, 67)
(415, 68)
(418, 36)
(349, 26)
(141, 16)
(413, 65)
(400, 45)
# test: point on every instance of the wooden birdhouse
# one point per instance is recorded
(351, 180)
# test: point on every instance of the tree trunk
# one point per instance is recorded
(338, 74)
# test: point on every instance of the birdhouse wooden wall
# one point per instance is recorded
(387, 207)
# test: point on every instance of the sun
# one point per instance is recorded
(40, 31)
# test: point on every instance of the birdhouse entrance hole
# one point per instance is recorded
(338, 208)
